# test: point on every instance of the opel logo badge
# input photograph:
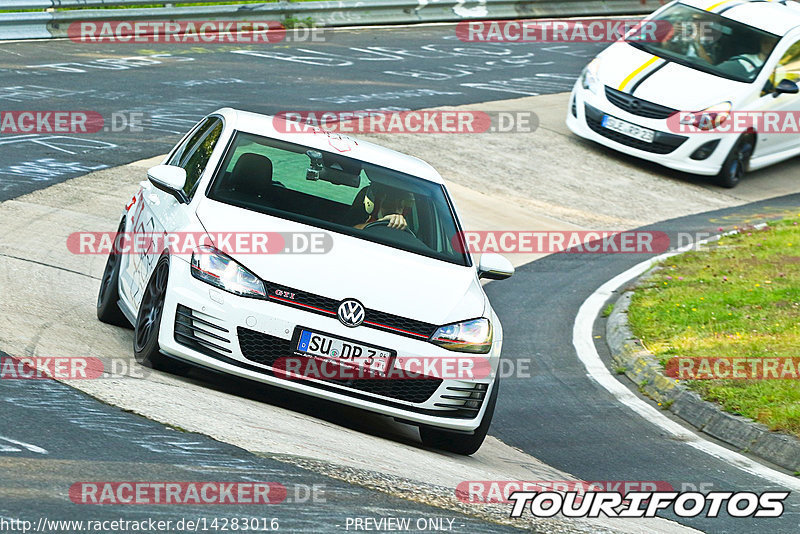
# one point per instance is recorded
(351, 313)
(635, 104)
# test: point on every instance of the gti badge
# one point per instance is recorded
(351, 313)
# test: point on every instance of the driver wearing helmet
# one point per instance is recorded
(382, 203)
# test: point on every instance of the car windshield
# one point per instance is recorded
(708, 42)
(331, 191)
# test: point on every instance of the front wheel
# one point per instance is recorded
(737, 162)
(148, 322)
(107, 308)
(461, 443)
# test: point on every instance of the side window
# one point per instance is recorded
(193, 154)
(190, 141)
(788, 67)
(198, 154)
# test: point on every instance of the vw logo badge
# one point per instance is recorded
(351, 313)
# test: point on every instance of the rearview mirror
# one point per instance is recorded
(170, 179)
(786, 87)
(494, 267)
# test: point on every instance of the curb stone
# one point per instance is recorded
(644, 369)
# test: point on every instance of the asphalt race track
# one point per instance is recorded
(88, 441)
(560, 416)
(572, 422)
(173, 86)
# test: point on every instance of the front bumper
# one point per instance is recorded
(242, 337)
(671, 150)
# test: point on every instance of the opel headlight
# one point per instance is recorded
(589, 79)
(710, 118)
(468, 336)
(215, 268)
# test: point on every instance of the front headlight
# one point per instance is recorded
(710, 118)
(215, 268)
(469, 336)
(589, 79)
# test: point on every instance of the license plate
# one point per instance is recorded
(626, 128)
(344, 352)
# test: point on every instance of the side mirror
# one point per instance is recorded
(494, 267)
(786, 87)
(169, 179)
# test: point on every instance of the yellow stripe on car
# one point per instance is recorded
(633, 74)
(714, 6)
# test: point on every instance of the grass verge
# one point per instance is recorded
(737, 298)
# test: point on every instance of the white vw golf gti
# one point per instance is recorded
(705, 59)
(393, 283)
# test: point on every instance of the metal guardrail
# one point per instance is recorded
(55, 16)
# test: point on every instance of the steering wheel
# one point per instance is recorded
(385, 222)
(745, 58)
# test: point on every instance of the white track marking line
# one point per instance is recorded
(584, 345)
(32, 448)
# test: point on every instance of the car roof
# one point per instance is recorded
(317, 138)
(778, 18)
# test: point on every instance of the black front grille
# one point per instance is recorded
(663, 143)
(328, 307)
(200, 331)
(637, 106)
(465, 400)
(265, 349)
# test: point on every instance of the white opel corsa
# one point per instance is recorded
(391, 287)
(719, 57)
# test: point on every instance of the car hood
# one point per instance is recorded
(380, 277)
(664, 82)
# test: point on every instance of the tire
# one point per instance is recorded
(736, 163)
(455, 441)
(148, 323)
(107, 297)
